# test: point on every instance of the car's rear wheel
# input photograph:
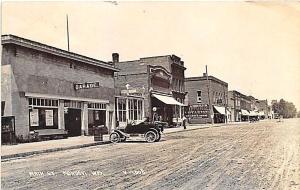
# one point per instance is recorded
(150, 136)
(158, 137)
(114, 137)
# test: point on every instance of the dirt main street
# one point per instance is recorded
(263, 155)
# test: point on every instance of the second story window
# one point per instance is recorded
(199, 99)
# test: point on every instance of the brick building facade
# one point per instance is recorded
(263, 108)
(49, 88)
(203, 91)
(244, 107)
(161, 81)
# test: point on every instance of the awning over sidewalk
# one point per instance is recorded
(167, 99)
(245, 112)
(221, 110)
(253, 113)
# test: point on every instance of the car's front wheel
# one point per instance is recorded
(114, 137)
(150, 136)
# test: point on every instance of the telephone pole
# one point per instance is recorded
(225, 104)
(68, 34)
(211, 114)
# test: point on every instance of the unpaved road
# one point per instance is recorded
(263, 155)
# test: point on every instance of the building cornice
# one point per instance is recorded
(203, 78)
(12, 39)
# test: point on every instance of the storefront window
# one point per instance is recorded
(97, 106)
(122, 109)
(73, 104)
(130, 109)
(43, 113)
(45, 102)
(140, 109)
(135, 109)
(96, 117)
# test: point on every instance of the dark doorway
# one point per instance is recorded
(73, 122)
(163, 110)
(2, 107)
(96, 118)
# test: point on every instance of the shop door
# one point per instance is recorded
(73, 122)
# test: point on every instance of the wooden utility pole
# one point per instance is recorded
(209, 101)
(225, 104)
(68, 34)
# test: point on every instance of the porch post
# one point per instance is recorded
(180, 114)
(127, 110)
(61, 115)
(84, 119)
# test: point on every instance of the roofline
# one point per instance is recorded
(187, 79)
(12, 39)
(241, 94)
(149, 57)
(136, 60)
(155, 56)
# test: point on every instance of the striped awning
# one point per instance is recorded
(245, 112)
(167, 99)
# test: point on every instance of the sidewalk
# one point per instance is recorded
(27, 149)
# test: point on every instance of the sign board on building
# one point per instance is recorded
(197, 111)
(49, 117)
(133, 92)
(34, 117)
(86, 85)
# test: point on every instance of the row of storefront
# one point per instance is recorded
(245, 108)
(209, 101)
(47, 88)
(245, 115)
(50, 89)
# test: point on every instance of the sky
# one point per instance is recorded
(253, 46)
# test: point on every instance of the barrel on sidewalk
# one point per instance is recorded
(99, 131)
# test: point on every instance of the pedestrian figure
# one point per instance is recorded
(184, 122)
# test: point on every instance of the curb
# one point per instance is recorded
(25, 154)
(184, 130)
(204, 127)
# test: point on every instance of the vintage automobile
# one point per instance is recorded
(151, 131)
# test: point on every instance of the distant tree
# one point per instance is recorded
(284, 108)
(298, 114)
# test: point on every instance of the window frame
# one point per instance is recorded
(199, 98)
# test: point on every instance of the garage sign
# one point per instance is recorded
(86, 85)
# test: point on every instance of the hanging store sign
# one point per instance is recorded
(49, 117)
(86, 85)
(34, 117)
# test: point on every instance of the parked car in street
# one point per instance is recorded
(151, 131)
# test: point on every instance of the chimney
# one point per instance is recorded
(115, 57)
